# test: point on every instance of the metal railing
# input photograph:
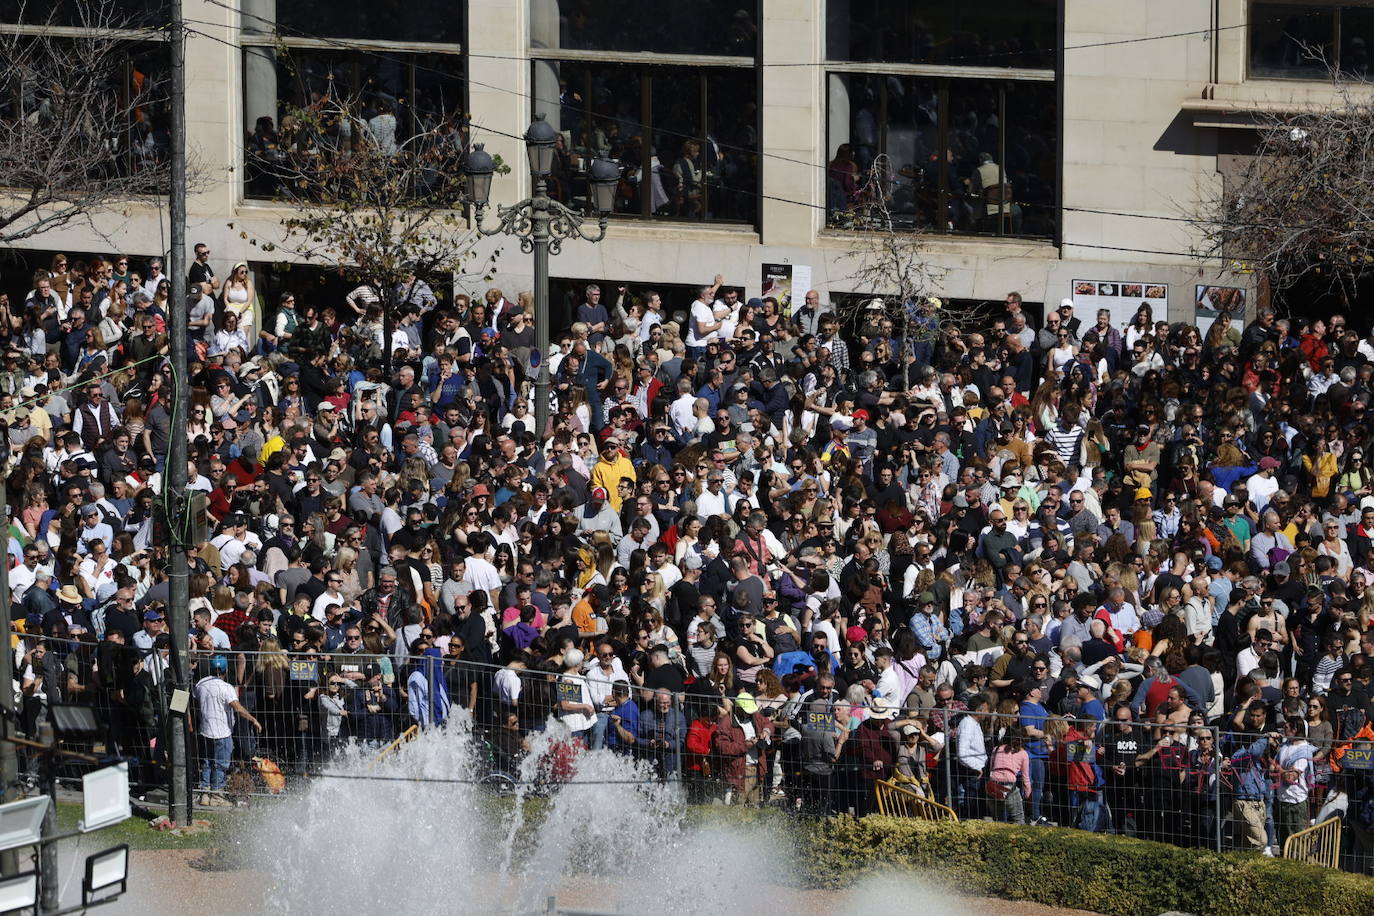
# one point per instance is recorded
(410, 734)
(1317, 845)
(1192, 785)
(901, 801)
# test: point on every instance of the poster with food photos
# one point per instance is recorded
(1121, 298)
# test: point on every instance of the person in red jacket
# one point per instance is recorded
(741, 741)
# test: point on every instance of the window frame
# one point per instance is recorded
(1337, 7)
(645, 62)
(276, 43)
(944, 81)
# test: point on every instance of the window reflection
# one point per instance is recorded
(1291, 39)
(125, 14)
(685, 137)
(992, 33)
(946, 155)
(309, 109)
(378, 20)
(716, 27)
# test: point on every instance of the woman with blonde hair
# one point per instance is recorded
(346, 563)
(238, 297)
(271, 677)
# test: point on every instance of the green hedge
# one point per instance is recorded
(1117, 876)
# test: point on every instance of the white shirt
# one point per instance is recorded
(1262, 489)
(325, 599)
(889, 686)
(1297, 757)
(599, 680)
(480, 574)
(213, 699)
(230, 549)
(680, 412)
(709, 504)
(21, 577)
(702, 314)
(576, 721)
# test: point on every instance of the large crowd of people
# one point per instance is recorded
(1050, 569)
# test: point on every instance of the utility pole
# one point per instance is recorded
(9, 762)
(174, 494)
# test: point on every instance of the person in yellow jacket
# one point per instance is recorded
(608, 471)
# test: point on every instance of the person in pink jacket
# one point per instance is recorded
(1009, 778)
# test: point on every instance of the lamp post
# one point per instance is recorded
(542, 225)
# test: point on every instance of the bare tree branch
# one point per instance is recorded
(369, 201)
(1299, 208)
(81, 118)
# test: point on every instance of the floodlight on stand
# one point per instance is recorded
(21, 823)
(605, 176)
(18, 892)
(105, 797)
(539, 142)
(105, 870)
(479, 167)
(74, 723)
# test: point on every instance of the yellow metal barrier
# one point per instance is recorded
(1319, 845)
(898, 801)
(410, 734)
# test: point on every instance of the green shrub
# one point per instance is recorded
(1113, 875)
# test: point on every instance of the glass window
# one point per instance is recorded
(986, 33)
(967, 156)
(715, 27)
(125, 14)
(1291, 39)
(685, 137)
(1357, 38)
(305, 106)
(378, 20)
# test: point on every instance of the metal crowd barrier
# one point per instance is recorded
(1318, 845)
(1183, 790)
(899, 801)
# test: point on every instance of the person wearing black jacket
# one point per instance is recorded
(854, 668)
(1230, 639)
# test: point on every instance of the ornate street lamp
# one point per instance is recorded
(542, 225)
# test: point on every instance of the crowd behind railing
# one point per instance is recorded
(806, 749)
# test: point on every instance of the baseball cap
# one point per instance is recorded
(856, 634)
(152, 615)
(927, 598)
(1214, 563)
(599, 493)
(839, 422)
(1144, 493)
(909, 730)
(1268, 463)
(692, 561)
(861, 414)
(1282, 568)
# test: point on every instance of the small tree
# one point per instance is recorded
(1298, 207)
(893, 269)
(379, 207)
(81, 119)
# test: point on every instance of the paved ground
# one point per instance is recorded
(173, 882)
